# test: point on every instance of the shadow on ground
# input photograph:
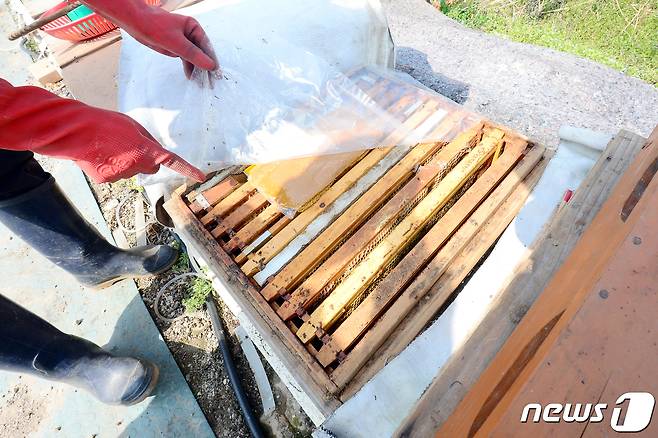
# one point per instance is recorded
(415, 64)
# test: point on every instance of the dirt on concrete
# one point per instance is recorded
(22, 413)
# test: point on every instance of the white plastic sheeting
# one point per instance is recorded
(288, 70)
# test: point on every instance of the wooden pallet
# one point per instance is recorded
(332, 284)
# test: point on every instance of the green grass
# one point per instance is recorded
(622, 34)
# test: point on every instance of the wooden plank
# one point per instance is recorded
(356, 370)
(309, 375)
(346, 199)
(240, 215)
(253, 229)
(395, 282)
(361, 276)
(215, 194)
(276, 244)
(308, 292)
(551, 312)
(297, 225)
(280, 224)
(444, 104)
(229, 203)
(599, 358)
(530, 278)
(307, 260)
(218, 177)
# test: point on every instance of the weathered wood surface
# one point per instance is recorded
(257, 261)
(307, 260)
(388, 337)
(275, 333)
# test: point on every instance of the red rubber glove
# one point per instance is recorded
(107, 145)
(170, 34)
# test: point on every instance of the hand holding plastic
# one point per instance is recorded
(170, 34)
(107, 145)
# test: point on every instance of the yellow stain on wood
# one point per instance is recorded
(292, 184)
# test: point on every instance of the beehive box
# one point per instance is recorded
(349, 282)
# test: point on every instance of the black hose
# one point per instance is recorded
(233, 377)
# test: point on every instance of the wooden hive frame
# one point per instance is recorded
(373, 259)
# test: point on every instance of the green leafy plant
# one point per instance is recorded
(198, 290)
(132, 183)
(182, 264)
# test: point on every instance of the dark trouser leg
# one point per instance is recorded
(29, 344)
(35, 209)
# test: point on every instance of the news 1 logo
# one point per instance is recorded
(636, 418)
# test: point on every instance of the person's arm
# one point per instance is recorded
(170, 34)
(107, 145)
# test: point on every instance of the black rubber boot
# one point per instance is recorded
(29, 344)
(48, 222)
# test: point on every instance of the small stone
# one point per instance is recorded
(637, 240)
(604, 294)
(111, 204)
(78, 321)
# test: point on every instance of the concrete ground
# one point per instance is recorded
(532, 89)
(114, 318)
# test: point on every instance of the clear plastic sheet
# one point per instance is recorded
(298, 79)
